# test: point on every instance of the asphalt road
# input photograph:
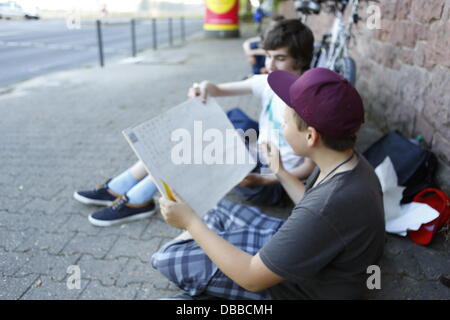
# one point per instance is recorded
(32, 48)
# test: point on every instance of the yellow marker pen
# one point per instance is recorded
(168, 192)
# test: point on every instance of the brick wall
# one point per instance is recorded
(403, 70)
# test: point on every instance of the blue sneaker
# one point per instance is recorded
(121, 212)
(100, 196)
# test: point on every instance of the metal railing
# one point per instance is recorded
(153, 32)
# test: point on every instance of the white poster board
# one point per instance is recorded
(193, 149)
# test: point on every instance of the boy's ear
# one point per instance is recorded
(312, 136)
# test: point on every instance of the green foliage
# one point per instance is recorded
(246, 17)
(276, 3)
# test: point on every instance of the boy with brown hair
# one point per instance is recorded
(334, 233)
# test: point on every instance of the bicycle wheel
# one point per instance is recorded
(346, 67)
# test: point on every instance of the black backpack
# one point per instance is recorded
(414, 165)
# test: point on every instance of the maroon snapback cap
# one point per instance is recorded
(324, 99)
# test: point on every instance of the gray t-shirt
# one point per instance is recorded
(333, 234)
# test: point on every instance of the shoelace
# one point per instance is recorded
(118, 203)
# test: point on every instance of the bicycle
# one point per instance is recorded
(332, 51)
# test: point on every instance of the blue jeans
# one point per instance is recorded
(271, 194)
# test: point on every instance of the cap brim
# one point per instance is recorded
(280, 82)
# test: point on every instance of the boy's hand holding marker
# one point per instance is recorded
(177, 213)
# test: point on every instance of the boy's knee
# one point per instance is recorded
(156, 262)
(185, 264)
(163, 259)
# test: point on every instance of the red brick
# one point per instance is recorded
(441, 146)
(287, 9)
(374, 51)
(388, 9)
(422, 31)
(446, 13)
(419, 54)
(427, 11)
(386, 55)
(403, 34)
(424, 128)
(399, 116)
(430, 62)
(407, 55)
(438, 50)
(320, 24)
(437, 101)
(380, 35)
(383, 33)
(403, 9)
(414, 84)
(443, 176)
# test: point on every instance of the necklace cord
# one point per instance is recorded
(337, 167)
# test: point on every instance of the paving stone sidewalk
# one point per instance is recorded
(62, 132)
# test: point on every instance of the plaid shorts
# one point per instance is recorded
(184, 262)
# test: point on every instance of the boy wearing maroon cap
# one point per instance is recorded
(334, 233)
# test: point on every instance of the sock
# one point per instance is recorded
(142, 192)
(122, 183)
